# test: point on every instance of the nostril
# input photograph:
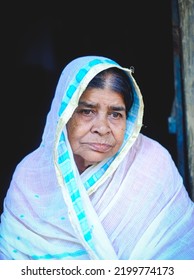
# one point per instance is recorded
(101, 129)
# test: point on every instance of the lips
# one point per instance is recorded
(101, 148)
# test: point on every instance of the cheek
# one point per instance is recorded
(75, 131)
(120, 137)
(119, 132)
(71, 129)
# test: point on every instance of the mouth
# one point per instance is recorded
(101, 148)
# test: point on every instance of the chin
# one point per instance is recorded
(96, 158)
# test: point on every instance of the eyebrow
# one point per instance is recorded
(87, 104)
(92, 105)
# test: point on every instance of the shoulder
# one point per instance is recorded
(155, 160)
(33, 163)
(152, 148)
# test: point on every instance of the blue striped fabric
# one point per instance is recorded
(60, 256)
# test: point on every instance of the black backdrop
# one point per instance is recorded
(38, 40)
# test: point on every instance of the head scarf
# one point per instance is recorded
(53, 212)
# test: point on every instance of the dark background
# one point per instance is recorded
(39, 38)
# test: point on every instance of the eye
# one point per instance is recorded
(116, 115)
(87, 112)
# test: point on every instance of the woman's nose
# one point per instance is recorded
(101, 125)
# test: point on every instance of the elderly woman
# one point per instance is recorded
(97, 188)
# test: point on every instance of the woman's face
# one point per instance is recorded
(96, 128)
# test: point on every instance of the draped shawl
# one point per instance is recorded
(130, 206)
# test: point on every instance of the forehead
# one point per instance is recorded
(98, 96)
